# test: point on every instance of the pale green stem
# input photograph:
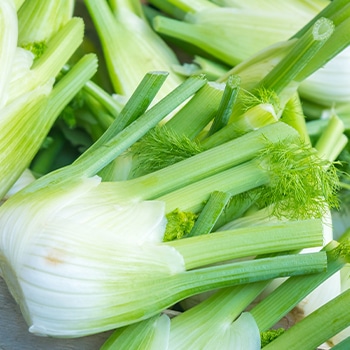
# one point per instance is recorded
(227, 103)
(136, 106)
(39, 20)
(287, 70)
(107, 28)
(255, 118)
(171, 289)
(212, 69)
(59, 49)
(225, 305)
(41, 116)
(186, 33)
(210, 213)
(339, 146)
(166, 7)
(236, 180)
(116, 145)
(201, 109)
(201, 166)
(151, 333)
(334, 7)
(329, 138)
(293, 115)
(131, 5)
(285, 297)
(249, 241)
(205, 279)
(316, 328)
(340, 39)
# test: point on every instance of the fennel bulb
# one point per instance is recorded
(67, 266)
(77, 262)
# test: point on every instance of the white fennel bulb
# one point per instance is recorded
(69, 262)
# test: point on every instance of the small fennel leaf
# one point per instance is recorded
(160, 148)
(301, 183)
(260, 95)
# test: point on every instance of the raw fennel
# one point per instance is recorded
(41, 259)
(90, 237)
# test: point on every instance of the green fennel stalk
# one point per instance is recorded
(282, 300)
(74, 190)
(317, 327)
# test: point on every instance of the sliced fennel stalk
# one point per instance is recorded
(313, 329)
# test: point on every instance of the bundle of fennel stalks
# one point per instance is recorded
(171, 171)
